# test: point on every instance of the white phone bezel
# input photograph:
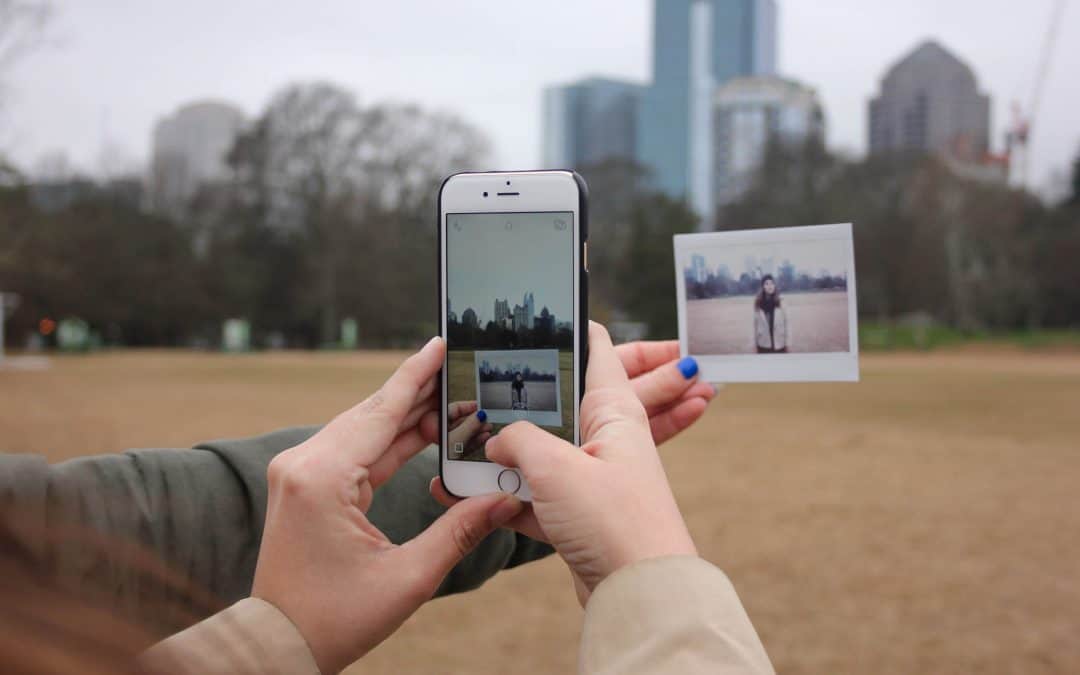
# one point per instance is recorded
(537, 191)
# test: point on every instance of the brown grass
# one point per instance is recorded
(922, 521)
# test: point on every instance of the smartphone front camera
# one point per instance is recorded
(485, 194)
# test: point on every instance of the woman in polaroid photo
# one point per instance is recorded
(519, 394)
(770, 319)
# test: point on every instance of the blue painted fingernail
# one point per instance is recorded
(688, 367)
(482, 415)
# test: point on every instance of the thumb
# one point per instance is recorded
(458, 531)
(525, 446)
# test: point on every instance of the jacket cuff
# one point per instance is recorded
(676, 614)
(251, 636)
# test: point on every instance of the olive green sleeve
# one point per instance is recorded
(201, 512)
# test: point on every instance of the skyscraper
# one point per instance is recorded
(590, 121)
(502, 312)
(751, 112)
(697, 45)
(530, 310)
(930, 102)
(189, 149)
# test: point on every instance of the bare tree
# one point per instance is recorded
(22, 25)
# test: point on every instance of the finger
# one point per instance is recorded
(403, 448)
(641, 357)
(661, 387)
(457, 532)
(525, 446)
(366, 430)
(469, 427)
(524, 522)
(429, 427)
(417, 413)
(671, 422)
(460, 408)
(438, 491)
(604, 369)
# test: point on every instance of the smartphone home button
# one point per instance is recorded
(509, 481)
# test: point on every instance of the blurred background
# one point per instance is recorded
(183, 183)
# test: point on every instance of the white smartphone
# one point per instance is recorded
(513, 293)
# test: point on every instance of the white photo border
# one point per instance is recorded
(543, 418)
(792, 367)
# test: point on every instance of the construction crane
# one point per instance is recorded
(1018, 137)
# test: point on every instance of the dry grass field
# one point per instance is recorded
(926, 520)
(817, 322)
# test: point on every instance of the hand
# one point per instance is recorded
(469, 429)
(667, 387)
(341, 582)
(608, 504)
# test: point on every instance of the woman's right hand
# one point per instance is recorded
(608, 504)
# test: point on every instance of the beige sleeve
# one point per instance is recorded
(251, 636)
(669, 615)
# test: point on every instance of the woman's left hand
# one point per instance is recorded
(668, 387)
(341, 582)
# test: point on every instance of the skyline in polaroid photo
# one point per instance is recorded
(769, 305)
(519, 384)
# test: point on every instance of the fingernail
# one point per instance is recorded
(505, 509)
(716, 389)
(481, 415)
(688, 367)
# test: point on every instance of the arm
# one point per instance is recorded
(201, 512)
(677, 614)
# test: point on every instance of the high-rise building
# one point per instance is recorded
(930, 102)
(590, 121)
(697, 45)
(502, 312)
(189, 149)
(530, 310)
(750, 113)
(697, 268)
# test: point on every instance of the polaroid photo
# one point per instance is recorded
(519, 384)
(772, 305)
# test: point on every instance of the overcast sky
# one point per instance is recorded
(488, 262)
(811, 257)
(114, 67)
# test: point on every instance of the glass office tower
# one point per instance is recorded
(697, 45)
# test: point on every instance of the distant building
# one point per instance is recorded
(930, 102)
(697, 268)
(189, 149)
(524, 315)
(502, 312)
(751, 112)
(589, 121)
(697, 45)
(530, 310)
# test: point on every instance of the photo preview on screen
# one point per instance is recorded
(770, 305)
(510, 325)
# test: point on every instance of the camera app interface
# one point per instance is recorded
(510, 326)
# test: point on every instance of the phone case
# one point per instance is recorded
(583, 285)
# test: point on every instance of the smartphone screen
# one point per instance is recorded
(510, 321)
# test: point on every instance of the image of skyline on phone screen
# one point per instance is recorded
(509, 325)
